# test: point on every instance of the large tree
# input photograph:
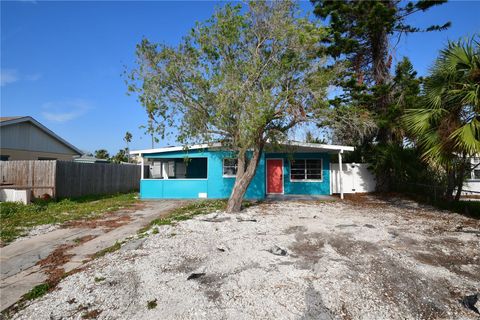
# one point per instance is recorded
(446, 125)
(243, 77)
(363, 37)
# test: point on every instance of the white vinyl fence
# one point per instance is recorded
(356, 178)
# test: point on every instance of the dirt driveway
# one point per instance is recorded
(367, 259)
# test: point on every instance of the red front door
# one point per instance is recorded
(274, 176)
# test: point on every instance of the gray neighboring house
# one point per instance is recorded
(90, 159)
(24, 138)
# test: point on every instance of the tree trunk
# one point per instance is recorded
(460, 178)
(450, 184)
(243, 178)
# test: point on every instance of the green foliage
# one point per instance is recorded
(402, 165)
(241, 77)
(362, 32)
(121, 156)
(128, 137)
(245, 76)
(113, 248)
(187, 212)
(447, 123)
(17, 218)
(37, 291)
(102, 154)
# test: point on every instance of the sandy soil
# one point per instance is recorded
(360, 259)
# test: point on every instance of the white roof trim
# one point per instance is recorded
(326, 147)
(331, 147)
(180, 148)
(42, 127)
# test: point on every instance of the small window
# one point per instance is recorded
(230, 167)
(306, 169)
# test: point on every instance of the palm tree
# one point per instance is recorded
(446, 126)
(128, 138)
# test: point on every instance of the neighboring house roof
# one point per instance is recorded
(299, 147)
(90, 159)
(6, 121)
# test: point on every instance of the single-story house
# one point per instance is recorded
(24, 138)
(208, 171)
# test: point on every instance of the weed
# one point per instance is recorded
(37, 291)
(99, 279)
(155, 231)
(187, 212)
(110, 249)
(152, 304)
(16, 218)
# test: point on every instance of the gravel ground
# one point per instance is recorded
(362, 259)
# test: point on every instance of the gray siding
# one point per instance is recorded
(26, 136)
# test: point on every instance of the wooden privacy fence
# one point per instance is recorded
(68, 179)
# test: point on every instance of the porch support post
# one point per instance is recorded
(341, 172)
(142, 170)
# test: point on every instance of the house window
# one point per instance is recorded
(177, 168)
(306, 170)
(230, 167)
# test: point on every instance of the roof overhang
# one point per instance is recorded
(291, 146)
(15, 120)
(295, 146)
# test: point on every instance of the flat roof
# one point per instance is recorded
(295, 145)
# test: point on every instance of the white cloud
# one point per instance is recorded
(63, 111)
(12, 75)
(33, 76)
(8, 76)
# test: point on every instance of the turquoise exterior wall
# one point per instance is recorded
(218, 187)
(309, 187)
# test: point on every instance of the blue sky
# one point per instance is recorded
(61, 62)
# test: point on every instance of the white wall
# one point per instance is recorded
(471, 187)
(15, 195)
(356, 178)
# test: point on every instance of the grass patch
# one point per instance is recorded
(37, 291)
(187, 212)
(152, 304)
(17, 218)
(110, 249)
(99, 279)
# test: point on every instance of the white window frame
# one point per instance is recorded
(223, 168)
(167, 160)
(306, 180)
